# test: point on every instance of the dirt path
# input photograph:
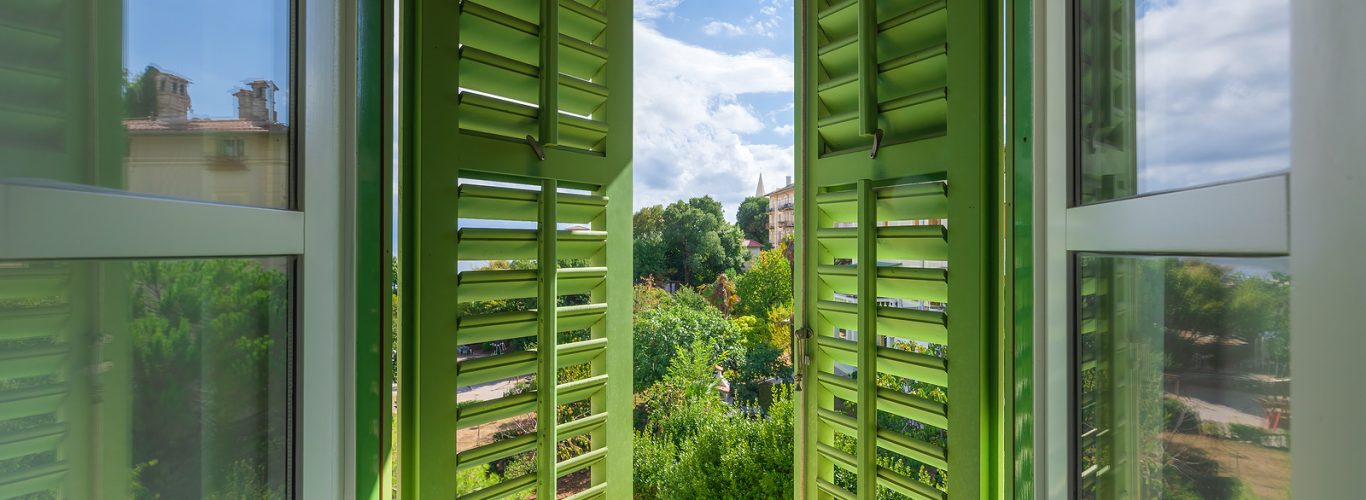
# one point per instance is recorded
(1266, 471)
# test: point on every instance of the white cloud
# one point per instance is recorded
(653, 9)
(783, 129)
(722, 28)
(689, 120)
(1214, 90)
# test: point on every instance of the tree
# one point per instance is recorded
(210, 341)
(698, 243)
(721, 294)
(752, 217)
(768, 284)
(649, 220)
(659, 332)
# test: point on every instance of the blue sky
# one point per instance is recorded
(217, 45)
(713, 98)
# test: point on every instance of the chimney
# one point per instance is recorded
(172, 96)
(256, 103)
(789, 181)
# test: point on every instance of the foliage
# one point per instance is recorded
(778, 325)
(139, 94)
(721, 294)
(649, 220)
(768, 284)
(210, 340)
(752, 218)
(687, 241)
(648, 257)
(474, 479)
(659, 332)
(689, 298)
(647, 296)
(698, 447)
(1178, 417)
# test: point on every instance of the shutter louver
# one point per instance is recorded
(896, 261)
(515, 163)
(38, 329)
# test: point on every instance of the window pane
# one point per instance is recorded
(1180, 93)
(145, 379)
(1183, 377)
(170, 97)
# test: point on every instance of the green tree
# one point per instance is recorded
(698, 242)
(210, 346)
(649, 220)
(659, 333)
(139, 94)
(752, 217)
(768, 284)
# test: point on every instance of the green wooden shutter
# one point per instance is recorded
(896, 164)
(64, 374)
(499, 177)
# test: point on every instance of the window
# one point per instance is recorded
(161, 52)
(191, 360)
(1183, 377)
(1167, 269)
(233, 148)
(1180, 93)
(153, 342)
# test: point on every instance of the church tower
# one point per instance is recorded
(759, 190)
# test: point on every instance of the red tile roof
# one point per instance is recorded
(154, 125)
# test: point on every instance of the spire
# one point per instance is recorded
(759, 190)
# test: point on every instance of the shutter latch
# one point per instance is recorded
(799, 357)
(877, 143)
(536, 147)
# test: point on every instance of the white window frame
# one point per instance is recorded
(1321, 215)
(50, 220)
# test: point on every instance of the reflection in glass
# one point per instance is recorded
(145, 379)
(1183, 377)
(191, 100)
(1178, 93)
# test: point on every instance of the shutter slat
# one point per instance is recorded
(914, 366)
(495, 451)
(924, 326)
(504, 489)
(519, 324)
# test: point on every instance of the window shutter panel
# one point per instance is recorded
(64, 363)
(897, 161)
(514, 161)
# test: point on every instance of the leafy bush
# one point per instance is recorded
(1247, 433)
(767, 285)
(1178, 417)
(659, 332)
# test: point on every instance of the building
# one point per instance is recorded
(243, 160)
(782, 220)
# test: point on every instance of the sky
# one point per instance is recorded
(218, 45)
(714, 83)
(713, 99)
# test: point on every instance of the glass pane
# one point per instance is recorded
(1183, 377)
(170, 97)
(145, 379)
(1180, 93)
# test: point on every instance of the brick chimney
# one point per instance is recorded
(256, 103)
(172, 96)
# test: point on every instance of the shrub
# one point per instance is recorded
(659, 332)
(1248, 433)
(1178, 417)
